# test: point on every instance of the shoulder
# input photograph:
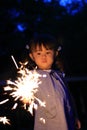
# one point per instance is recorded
(61, 74)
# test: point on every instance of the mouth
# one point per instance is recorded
(44, 61)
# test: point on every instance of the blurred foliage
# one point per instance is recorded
(20, 19)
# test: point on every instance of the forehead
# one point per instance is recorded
(40, 47)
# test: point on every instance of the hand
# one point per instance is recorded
(25, 101)
(78, 124)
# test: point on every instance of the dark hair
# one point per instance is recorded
(49, 42)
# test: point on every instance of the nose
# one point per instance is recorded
(44, 55)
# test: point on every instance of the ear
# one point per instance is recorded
(56, 54)
(31, 56)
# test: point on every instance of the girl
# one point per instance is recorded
(58, 114)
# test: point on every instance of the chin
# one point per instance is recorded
(45, 68)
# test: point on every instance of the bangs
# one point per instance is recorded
(39, 45)
(47, 41)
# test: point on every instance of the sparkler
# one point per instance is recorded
(24, 88)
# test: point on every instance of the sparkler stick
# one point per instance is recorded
(14, 61)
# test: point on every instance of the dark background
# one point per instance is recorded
(20, 20)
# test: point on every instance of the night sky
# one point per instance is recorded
(67, 21)
(64, 19)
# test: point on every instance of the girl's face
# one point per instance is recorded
(43, 57)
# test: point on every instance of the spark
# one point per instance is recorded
(4, 120)
(42, 120)
(24, 88)
(4, 101)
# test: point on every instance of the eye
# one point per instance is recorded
(48, 52)
(38, 53)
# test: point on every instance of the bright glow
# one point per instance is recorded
(21, 27)
(42, 120)
(24, 89)
(69, 4)
(65, 2)
(45, 1)
(4, 120)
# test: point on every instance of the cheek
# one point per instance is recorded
(37, 60)
(51, 59)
